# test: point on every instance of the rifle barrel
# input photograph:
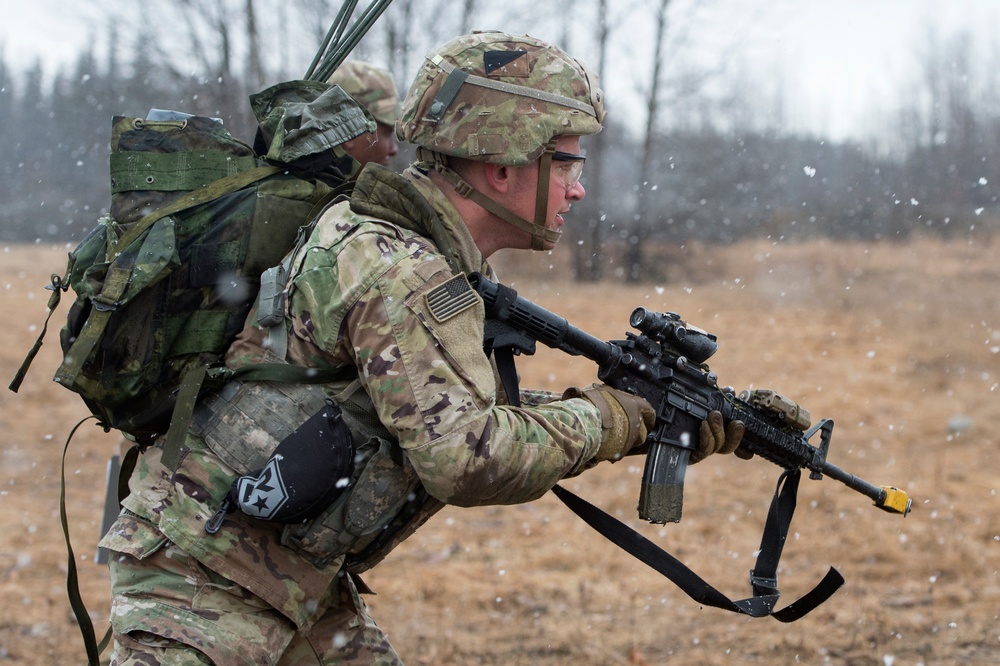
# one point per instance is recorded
(503, 303)
(886, 498)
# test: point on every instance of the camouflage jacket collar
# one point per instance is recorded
(413, 202)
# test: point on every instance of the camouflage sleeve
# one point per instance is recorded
(535, 397)
(415, 335)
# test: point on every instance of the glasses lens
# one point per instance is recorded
(567, 168)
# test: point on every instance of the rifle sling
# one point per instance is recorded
(763, 576)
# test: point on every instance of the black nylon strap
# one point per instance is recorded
(764, 576)
(508, 374)
(760, 605)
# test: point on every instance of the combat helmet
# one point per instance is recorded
(503, 99)
(372, 87)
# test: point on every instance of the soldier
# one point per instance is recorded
(377, 297)
(374, 89)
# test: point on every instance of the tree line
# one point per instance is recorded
(722, 170)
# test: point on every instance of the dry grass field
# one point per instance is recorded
(898, 343)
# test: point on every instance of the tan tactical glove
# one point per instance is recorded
(716, 438)
(625, 419)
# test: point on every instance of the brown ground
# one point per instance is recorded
(899, 343)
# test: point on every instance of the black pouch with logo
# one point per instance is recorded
(308, 471)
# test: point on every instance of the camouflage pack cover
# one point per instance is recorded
(164, 283)
(372, 87)
(499, 98)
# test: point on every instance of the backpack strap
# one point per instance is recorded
(272, 298)
(210, 192)
(92, 646)
(58, 285)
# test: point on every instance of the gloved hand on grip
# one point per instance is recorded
(715, 437)
(625, 419)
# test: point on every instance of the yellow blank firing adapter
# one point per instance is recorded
(895, 501)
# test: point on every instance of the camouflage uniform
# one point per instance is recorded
(358, 298)
(379, 291)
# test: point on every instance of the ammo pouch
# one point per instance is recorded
(245, 423)
(307, 471)
(289, 471)
(380, 491)
(385, 505)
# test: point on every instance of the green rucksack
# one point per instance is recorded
(164, 283)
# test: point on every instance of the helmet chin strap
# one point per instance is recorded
(537, 229)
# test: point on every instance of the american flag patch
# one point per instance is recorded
(448, 299)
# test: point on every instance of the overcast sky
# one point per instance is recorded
(842, 60)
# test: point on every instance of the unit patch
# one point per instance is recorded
(263, 495)
(506, 63)
(448, 299)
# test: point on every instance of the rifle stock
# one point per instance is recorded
(665, 364)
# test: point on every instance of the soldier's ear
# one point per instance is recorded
(498, 176)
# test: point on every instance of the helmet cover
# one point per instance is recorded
(372, 87)
(499, 98)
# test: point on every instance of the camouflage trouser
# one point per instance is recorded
(169, 609)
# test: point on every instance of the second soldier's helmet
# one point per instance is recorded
(499, 98)
(372, 87)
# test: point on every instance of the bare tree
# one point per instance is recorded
(255, 67)
(640, 220)
(468, 12)
(588, 261)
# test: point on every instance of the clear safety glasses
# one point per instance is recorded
(567, 168)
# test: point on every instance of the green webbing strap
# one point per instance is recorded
(58, 285)
(282, 372)
(174, 172)
(72, 580)
(210, 192)
(191, 385)
(104, 304)
(180, 418)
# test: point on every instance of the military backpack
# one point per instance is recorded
(164, 282)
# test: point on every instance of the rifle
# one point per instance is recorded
(665, 364)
